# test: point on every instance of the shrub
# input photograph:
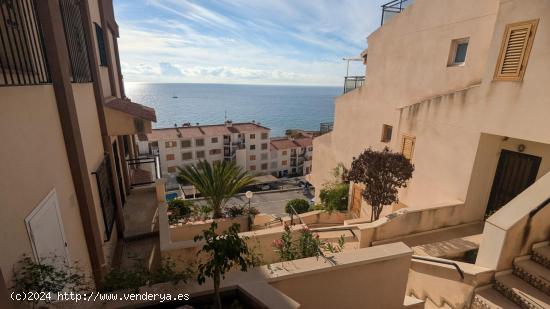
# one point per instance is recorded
(300, 205)
(234, 211)
(307, 245)
(179, 209)
(138, 275)
(335, 197)
(253, 211)
(32, 277)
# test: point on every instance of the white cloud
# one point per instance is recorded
(282, 42)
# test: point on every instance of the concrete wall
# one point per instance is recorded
(34, 161)
(511, 231)
(442, 284)
(378, 281)
(190, 230)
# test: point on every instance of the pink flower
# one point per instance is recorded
(278, 243)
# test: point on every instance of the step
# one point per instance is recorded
(533, 273)
(489, 298)
(411, 302)
(541, 254)
(521, 292)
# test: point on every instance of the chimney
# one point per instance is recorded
(228, 123)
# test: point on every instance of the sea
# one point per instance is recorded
(276, 107)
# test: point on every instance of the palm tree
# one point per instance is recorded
(217, 182)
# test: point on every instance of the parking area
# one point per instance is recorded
(270, 202)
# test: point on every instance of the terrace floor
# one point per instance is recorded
(140, 212)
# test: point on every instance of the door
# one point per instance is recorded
(356, 199)
(46, 232)
(515, 172)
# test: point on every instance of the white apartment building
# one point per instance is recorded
(291, 157)
(249, 144)
(246, 143)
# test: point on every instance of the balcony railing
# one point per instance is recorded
(22, 52)
(107, 197)
(144, 170)
(353, 82)
(393, 8)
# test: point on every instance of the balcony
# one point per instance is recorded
(392, 8)
(353, 82)
(144, 170)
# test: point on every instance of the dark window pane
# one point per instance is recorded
(460, 55)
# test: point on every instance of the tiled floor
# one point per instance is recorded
(140, 212)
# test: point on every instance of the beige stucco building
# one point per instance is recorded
(67, 131)
(459, 85)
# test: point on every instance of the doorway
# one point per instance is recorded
(515, 172)
(45, 229)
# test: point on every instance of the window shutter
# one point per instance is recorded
(514, 52)
(407, 146)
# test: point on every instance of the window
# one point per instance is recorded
(199, 142)
(264, 146)
(514, 52)
(171, 169)
(186, 143)
(185, 156)
(252, 157)
(284, 152)
(407, 146)
(457, 55)
(264, 166)
(252, 136)
(200, 154)
(252, 167)
(215, 151)
(101, 45)
(214, 140)
(170, 144)
(264, 135)
(386, 133)
(170, 157)
(284, 162)
(264, 156)
(252, 147)
(310, 148)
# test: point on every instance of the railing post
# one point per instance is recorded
(160, 190)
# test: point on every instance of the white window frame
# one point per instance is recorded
(452, 54)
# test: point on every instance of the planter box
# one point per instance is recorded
(189, 230)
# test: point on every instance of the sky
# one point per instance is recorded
(287, 42)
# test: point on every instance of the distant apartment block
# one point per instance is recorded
(249, 144)
(291, 156)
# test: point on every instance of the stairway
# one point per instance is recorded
(526, 285)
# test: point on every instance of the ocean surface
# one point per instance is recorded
(277, 107)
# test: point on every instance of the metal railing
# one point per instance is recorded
(107, 196)
(534, 211)
(76, 41)
(353, 82)
(22, 53)
(393, 8)
(333, 229)
(455, 265)
(144, 170)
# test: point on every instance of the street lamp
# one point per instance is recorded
(249, 195)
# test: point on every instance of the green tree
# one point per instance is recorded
(300, 205)
(335, 196)
(217, 182)
(382, 173)
(224, 252)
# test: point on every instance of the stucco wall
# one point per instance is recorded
(459, 115)
(34, 162)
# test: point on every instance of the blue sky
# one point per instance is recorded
(293, 42)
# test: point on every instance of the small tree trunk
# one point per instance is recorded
(217, 290)
(217, 212)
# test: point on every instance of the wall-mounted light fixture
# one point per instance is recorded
(521, 147)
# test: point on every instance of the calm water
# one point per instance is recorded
(277, 107)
